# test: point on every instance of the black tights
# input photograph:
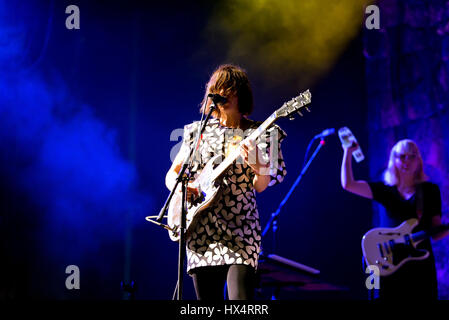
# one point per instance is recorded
(209, 282)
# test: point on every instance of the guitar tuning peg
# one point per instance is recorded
(299, 112)
(290, 117)
(307, 108)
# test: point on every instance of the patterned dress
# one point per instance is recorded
(229, 232)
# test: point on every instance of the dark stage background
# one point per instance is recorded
(88, 120)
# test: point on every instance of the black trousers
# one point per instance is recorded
(210, 282)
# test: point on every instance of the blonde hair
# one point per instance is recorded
(391, 175)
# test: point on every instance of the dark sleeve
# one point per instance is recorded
(381, 192)
(432, 200)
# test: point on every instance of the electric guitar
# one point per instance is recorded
(210, 179)
(390, 248)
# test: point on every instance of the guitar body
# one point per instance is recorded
(390, 248)
(209, 191)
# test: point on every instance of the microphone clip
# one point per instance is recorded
(325, 133)
(217, 99)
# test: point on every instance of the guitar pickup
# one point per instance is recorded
(407, 240)
(392, 245)
(386, 248)
(379, 246)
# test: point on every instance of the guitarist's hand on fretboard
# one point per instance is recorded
(251, 157)
(438, 224)
(249, 153)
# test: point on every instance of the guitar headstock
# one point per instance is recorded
(295, 105)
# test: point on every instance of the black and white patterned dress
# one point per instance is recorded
(229, 232)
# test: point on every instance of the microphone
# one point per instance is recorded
(325, 133)
(217, 99)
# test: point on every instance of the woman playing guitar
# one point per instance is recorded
(405, 193)
(224, 245)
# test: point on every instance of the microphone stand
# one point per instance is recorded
(273, 219)
(184, 179)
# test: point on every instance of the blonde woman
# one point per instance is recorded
(405, 193)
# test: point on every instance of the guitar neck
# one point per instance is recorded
(223, 166)
(421, 235)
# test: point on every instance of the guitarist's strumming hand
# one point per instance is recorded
(170, 180)
(192, 193)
